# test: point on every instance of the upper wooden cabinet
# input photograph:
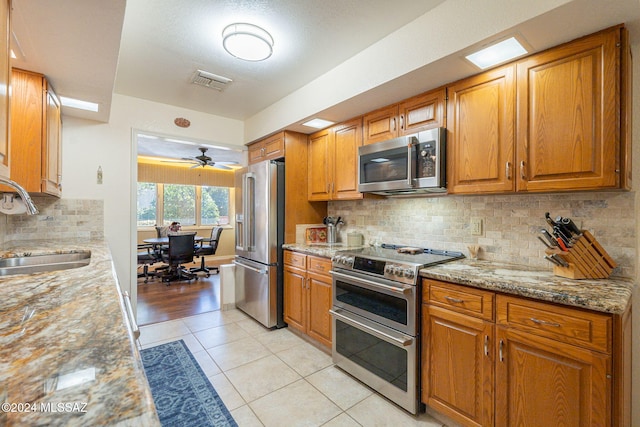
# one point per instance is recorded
(418, 113)
(267, 149)
(568, 132)
(549, 122)
(480, 137)
(35, 134)
(333, 162)
(5, 81)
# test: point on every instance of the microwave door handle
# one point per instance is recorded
(410, 164)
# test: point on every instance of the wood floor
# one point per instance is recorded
(158, 302)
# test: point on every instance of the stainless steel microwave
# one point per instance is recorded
(409, 164)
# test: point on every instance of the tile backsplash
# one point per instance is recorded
(511, 223)
(58, 218)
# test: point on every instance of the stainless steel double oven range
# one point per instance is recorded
(376, 317)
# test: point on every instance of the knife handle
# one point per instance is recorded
(562, 245)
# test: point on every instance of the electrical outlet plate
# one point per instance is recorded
(476, 226)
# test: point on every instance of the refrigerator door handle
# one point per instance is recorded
(249, 203)
(248, 267)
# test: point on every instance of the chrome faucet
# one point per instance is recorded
(31, 207)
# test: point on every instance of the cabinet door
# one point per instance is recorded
(52, 169)
(319, 327)
(381, 125)
(274, 146)
(543, 382)
(480, 141)
(320, 165)
(347, 139)
(256, 152)
(422, 112)
(294, 297)
(568, 116)
(457, 374)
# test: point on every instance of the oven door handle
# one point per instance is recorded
(371, 284)
(398, 339)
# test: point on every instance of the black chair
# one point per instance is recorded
(181, 251)
(146, 256)
(203, 249)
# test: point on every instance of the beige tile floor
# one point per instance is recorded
(275, 378)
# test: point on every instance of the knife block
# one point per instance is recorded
(587, 259)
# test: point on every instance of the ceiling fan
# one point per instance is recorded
(203, 160)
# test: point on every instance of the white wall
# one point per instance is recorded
(88, 145)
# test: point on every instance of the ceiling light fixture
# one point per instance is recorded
(497, 53)
(318, 123)
(79, 104)
(247, 41)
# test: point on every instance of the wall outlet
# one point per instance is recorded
(476, 226)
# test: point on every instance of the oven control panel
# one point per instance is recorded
(398, 272)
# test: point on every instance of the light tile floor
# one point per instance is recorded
(275, 378)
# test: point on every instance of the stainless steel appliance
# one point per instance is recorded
(375, 317)
(405, 165)
(259, 227)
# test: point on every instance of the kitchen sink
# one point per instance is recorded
(42, 263)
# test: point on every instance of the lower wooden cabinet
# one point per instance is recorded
(307, 295)
(498, 360)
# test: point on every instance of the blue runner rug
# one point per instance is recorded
(182, 393)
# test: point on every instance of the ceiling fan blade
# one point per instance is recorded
(218, 166)
(178, 161)
(195, 166)
(227, 163)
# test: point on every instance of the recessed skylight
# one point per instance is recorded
(318, 123)
(79, 104)
(497, 53)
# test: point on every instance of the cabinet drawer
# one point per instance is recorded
(319, 265)
(295, 259)
(463, 299)
(583, 328)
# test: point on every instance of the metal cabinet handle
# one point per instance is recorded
(500, 350)
(393, 124)
(486, 345)
(523, 175)
(508, 170)
(401, 121)
(544, 322)
(454, 300)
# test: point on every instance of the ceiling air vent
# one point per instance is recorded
(210, 80)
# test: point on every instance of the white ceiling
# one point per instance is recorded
(150, 49)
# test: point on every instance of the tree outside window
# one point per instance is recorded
(179, 204)
(214, 205)
(147, 203)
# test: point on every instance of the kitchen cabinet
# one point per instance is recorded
(35, 134)
(333, 162)
(548, 122)
(307, 295)
(424, 111)
(481, 133)
(458, 354)
(5, 81)
(494, 359)
(269, 148)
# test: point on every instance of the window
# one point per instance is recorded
(147, 202)
(179, 204)
(186, 204)
(214, 205)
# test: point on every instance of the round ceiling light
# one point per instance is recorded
(247, 41)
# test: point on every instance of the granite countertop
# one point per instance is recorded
(325, 250)
(66, 345)
(604, 295)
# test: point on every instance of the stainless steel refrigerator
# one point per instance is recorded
(259, 226)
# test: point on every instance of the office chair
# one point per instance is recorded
(146, 256)
(181, 251)
(210, 249)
